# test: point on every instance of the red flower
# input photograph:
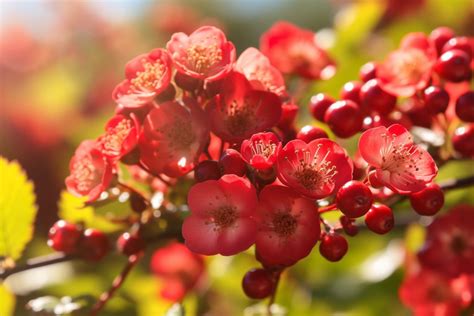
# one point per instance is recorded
(289, 226)
(90, 172)
(147, 75)
(239, 111)
(179, 268)
(400, 164)
(121, 136)
(205, 54)
(316, 169)
(262, 75)
(293, 50)
(449, 246)
(222, 219)
(173, 138)
(408, 69)
(261, 150)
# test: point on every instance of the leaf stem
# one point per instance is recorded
(37, 263)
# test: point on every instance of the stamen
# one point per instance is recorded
(84, 172)
(203, 57)
(223, 217)
(150, 77)
(114, 137)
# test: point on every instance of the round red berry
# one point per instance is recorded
(454, 65)
(428, 201)
(379, 219)
(440, 36)
(465, 107)
(462, 43)
(436, 99)
(463, 140)
(318, 105)
(348, 225)
(351, 91)
(258, 283)
(137, 202)
(232, 162)
(94, 245)
(308, 133)
(354, 199)
(368, 71)
(207, 170)
(374, 181)
(344, 118)
(333, 246)
(64, 236)
(129, 244)
(375, 99)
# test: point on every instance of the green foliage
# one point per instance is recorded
(17, 209)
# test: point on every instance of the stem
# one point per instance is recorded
(132, 190)
(328, 208)
(273, 296)
(116, 284)
(37, 263)
(457, 183)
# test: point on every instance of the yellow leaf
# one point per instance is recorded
(7, 300)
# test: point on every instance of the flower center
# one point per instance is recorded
(284, 224)
(180, 134)
(114, 137)
(85, 173)
(239, 117)
(224, 217)
(261, 148)
(150, 77)
(458, 244)
(202, 58)
(410, 66)
(401, 158)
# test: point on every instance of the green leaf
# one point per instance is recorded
(17, 209)
(7, 300)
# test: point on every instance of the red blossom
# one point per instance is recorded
(293, 50)
(400, 164)
(204, 54)
(316, 169)
(261, 150)
(222, 219)
(289, 226)
(121, 136)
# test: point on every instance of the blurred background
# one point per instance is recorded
(59, 62)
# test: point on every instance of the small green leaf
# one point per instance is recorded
(17, 209)
(7, 300)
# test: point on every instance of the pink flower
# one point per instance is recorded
(261, 74)
(121, 136)
(316, 169)
(289, 226)
(90, 172)
(205, 54)
(261, 150)
(293, 50)
(222, 219)
(400, 164)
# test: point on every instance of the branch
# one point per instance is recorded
(457, 183)
(37, 263)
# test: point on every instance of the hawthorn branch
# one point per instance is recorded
(37, 263)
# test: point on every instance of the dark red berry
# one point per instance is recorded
(368, 71)
(64, 236)
(333, 246)
(375, 99)
(258, 284)
(463, 140)
(168, 95)
(428, 201)
(129, 244)
(348, 225)
(416, 112)
(308, 133)
(462, 43)
(318, 105)
(454, 65)
(232, 162)
(379, 219)
(374, 181)
(207, 170)
(440, 36)
(94, 245)
(186, 82)
(465, 107)
(137, 202)
(436, 99)
(354, 199)
(344, 118)
(351, 91)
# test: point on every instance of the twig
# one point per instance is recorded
(37, 263)
(272, 298)
(457, 183)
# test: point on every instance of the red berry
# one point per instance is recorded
(441, 36)
(436, 99)
(64, 236)
(351, 91)
(258, 283)
(94, 245)
(462, 43)
(344, 118)
(465, 107)
(232, 162)
(375, 99)
(428, 201)
(454, 65)
(308, 133)
(463, 140)
(318, 105)
(129, 244)
(368, 71)
(379, 219)
(354, 199)
(374, 181)
(137, 202)
(207, 170)
(288, 116)
(333, 246)
(348, 225)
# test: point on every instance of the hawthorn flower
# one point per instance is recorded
(400, 164)
(121, 136)
(239, 111)
(173, 138)
(147, 75)
(293, 50)
(259, 71)
(205, 54)
(289, 226)
(222, 219)
(261, 150)
(90, 171)
(315, 169)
